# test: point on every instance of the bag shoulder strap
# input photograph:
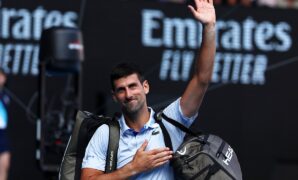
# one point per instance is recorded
(114, 136)
(166, 135)
(159, 116)
(113, 144)
(177, 124)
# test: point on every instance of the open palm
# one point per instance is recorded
(204, 11)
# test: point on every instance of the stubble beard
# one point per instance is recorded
(133, 110)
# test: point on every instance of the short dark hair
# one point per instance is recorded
(126, 69)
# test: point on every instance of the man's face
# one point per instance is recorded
(130, 93)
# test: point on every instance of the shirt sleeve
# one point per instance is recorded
(95, 155)
(174, 111)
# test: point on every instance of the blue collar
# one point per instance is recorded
(125, 130)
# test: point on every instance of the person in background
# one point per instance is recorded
(267, 3)
(244, 3)
(248, 3)
(231, 2)
(217, 2)
(4, 149)
(173, 1)
(287, 4)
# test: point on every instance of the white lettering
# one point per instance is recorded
(229, 155)
(6, 57)
(185, 31)
(236, 68)
(69, 19)
(239, 68)
(158, 30)
(176, 65)
(264, 32)
(148, 27)
(246, 69)
(216, 68)
(231, 38)
(21, 30)
(25, 25)
(22, 24)
(38, 15)
(258, 74)
(19, 58)
(6, 15)
(248, 26)
(282, 30)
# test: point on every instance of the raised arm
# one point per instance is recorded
(195, 90)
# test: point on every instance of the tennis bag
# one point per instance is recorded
(201, 156)
(85, 126)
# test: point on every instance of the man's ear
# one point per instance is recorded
(146, 86)
(113, 96)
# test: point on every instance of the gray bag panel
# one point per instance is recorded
(67, 170)
(85, 126)
(192, 159)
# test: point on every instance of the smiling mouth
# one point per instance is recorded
(130, 101)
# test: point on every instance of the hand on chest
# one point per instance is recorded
(134, 142)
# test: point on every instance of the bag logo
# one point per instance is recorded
(111, 160)
(182, 152)
(229, 155)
